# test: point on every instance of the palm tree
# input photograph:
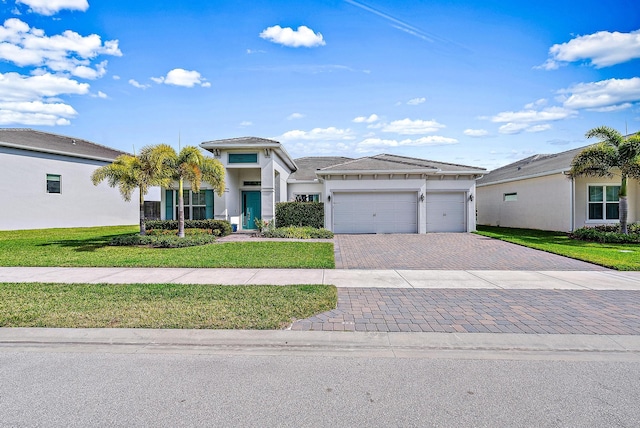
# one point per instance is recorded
(192, 166)
(134, 172)
(614, 154)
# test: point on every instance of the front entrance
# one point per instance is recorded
(251, 209)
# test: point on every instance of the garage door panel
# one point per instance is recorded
(375, 212)
(446, 212)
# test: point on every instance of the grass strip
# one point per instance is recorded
(615, 256)
(176, 306)
(89, 247)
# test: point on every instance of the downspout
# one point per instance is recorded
(573, 204)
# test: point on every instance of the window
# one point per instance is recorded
(313, 197)
(510, 197)
(603, 202)
(197, 205)
(243, 158)
(53, 183)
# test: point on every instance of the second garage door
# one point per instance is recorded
(446, 212)
(375, 212)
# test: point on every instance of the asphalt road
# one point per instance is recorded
(50, 388)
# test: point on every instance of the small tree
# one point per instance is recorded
(129, 173)
(614, 152)
(193, 166)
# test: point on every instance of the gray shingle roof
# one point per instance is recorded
(307, 166)
(239, 141)
(535, 165)
(39, 141)
(386, 162)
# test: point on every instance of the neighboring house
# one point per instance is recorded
(45, 181)
(378, 194)
(536, 193)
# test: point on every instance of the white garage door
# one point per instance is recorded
(375, 212)
(446, 212)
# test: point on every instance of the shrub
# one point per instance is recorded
(217, 227)
(608, 234)
(297, 232)
(187, 232)
(163, 241)
(300, 214)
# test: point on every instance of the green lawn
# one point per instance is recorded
(89, 247)
(615, 256)
(255, 307)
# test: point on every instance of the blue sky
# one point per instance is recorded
(476, 83)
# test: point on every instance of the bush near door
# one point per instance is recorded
(300, 214)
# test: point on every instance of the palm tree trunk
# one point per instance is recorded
(623, 206)
(180, 209)
(143, 227)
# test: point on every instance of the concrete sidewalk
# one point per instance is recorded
(341, 278)
(332, 344)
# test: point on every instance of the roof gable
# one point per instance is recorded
(30, 139)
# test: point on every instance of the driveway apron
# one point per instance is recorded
(448, 251)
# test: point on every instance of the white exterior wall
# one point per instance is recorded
(305, 189)
(544, 203)
(23, 185)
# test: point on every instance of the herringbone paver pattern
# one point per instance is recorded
(449, 251)
(481, 311)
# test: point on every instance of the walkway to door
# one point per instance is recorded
(448, 251)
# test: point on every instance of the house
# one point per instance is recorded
(377, 194)
(537, 193)
(45, 180)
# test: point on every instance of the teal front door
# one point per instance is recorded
(251, 209)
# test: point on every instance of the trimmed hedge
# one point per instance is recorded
(300, 214)
(297, 232)
(217, 227)
(162, 241)
(607, 234)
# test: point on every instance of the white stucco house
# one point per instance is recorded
(376, 194)
(45, 180)
(536, 193)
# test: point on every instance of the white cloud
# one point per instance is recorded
(536, 104)
(602, 94)
(532, 116)
(100, 94)
(476, 132)
(363, 119)
(294, 116)
(67, 52)
(376, 144)
(51, 7)
(317, 134)
(182, 77)
(35, 113)
(116, 77)
(31, 100)
(416, 101)
(412, 127)
(246, 123)
(303, 36)
(513, 128)
(16, 87)
(254, 51)
(137, 84)
(602, 49)
(608, 109)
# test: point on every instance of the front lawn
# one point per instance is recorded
(89, 247)
(615, 256)
(256, 307)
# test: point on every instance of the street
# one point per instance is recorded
(78, 386)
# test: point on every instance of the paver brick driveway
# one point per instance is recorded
(449, 251)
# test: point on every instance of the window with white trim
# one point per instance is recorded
(195, 206)
(510, 197)
(603, 203)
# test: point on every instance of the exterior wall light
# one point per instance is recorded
(421, 197)
(471, 197)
